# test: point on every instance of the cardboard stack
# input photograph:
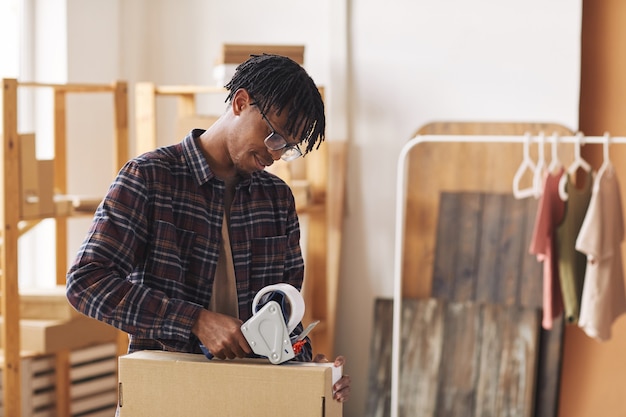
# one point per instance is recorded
(48, 323)
(50, 329)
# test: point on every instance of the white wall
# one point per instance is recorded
(389, 68)
(414, 62)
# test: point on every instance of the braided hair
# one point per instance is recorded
(279, 83)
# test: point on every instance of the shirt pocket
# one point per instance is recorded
(172, 251)
(268, 258)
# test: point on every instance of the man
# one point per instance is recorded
(188, 234)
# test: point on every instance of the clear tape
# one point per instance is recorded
(294, 297)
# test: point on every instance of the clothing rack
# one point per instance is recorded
(401, 193)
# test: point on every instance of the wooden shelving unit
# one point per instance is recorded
(14, 224)
(318, 182)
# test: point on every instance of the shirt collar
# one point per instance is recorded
(200, 169)
(195, 158)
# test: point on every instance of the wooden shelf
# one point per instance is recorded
(16, 224)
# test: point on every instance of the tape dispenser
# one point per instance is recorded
(276, 311)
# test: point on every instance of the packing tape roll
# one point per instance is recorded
(296, 302)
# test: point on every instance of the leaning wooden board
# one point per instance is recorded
(482, 250)
(458, 359)
(482, 254)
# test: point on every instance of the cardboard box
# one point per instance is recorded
(36, 181)
(234, 54)
(29, 177)
(238, 53)
(156, 383)
(185, 124)
(45, 170)
(46, 304)
(50, 336)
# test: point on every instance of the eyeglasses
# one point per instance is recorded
(276, 142)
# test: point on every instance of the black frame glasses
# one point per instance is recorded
(276, 142)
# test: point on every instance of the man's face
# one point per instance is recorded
(250, 150)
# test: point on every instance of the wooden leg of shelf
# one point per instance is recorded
(9, 218)
(62, 367)
(316, 275)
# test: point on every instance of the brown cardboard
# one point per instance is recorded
(29, 177)
(155, 383)
(45, 172)
(50, 336)
(46, 304)
(185, 124)
(238, 53)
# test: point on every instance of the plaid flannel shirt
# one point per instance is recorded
(147, 263)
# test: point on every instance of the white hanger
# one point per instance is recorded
(527, 164)
(578, 163)
(540, 168)
(555, 162)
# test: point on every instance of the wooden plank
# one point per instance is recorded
(316, 172)
(70, 88)
(467, 238)
(443, 269)
(379, 380)
(175, 90)
(508, 361)
(511, 252)
(62, 385)
(9, 216)
(456, 261)
(315, 288)
(120, 141)
(145, 117)
(421, 356)
(531, 282)
(460, 366)
(186, 106)
(27, 389)
(519, 329)
(60, 180)
(491, 226)
(335, 212)
(492, 344)
(457, 359)
(505, 229)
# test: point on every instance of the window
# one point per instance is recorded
(10, 18)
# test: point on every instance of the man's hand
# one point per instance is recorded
(221, 335)
(341, 389)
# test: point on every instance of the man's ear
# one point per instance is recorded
(241, 100)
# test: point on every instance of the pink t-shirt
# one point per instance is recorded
(600, 238)
(550, 213)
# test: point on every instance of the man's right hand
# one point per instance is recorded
(221, 335)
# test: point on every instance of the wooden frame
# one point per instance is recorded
(13, 226)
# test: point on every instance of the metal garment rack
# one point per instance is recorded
(401, 191)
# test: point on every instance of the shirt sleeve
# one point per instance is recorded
(97, 282)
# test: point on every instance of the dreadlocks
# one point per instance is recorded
(279, 83)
